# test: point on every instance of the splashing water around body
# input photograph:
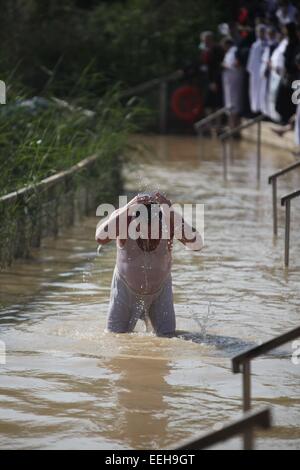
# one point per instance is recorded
(206, 321)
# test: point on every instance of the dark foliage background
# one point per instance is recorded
(47, 45)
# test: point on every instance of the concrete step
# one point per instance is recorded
(268, 137)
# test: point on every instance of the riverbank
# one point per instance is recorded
(58, 162)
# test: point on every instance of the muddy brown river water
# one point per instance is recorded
(68, 384)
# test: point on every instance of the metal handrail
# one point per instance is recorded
(257, 419)
(286, 201)
(283, 171)
(48, 182)
(211, 117)
(230, 133)
(273, 181)
(162, 84)
(142, 87)
(241, 363)
(289, 197)
(262, 349)
(241, 127)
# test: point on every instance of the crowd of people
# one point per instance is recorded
(252, 67)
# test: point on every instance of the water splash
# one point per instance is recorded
(88, 271)
(205, 321)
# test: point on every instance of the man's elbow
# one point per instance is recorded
(195, 245)
(102, 240)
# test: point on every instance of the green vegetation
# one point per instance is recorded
(127, 41)
(76, 57)
(41, 137)
(84, 52)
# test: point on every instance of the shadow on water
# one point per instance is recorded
(228, 345)
(147, 379)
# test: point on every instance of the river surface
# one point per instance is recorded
(68, 384)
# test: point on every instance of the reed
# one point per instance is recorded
(40, 137)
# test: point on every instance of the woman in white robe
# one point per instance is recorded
(254, 67)
(272, 43)
(277, 71)
(232, 77)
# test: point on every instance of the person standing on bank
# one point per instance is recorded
(254, 68)
(272, 43)
(232, 82)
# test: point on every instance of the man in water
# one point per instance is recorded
(142, 284)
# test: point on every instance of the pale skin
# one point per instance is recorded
(190, 237)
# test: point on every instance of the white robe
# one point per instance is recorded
(232, 82)
(265, 81)
(254, 69)
(290, 17)
(277, 69)
(297, 126)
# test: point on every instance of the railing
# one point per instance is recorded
(273, 180)
(286, 201)
(43, 208)
(242, 362)
(258, 419)
(230, 133)
(210, 118)
(162, 84)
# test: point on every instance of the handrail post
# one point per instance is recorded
(248, 435)
(224, 147)
(275, 217)
(228, 134)
(230, 149)
(246, 386)
(287, 231)
(286, 201)
(163, 92)
(200, 135)
(258, 162)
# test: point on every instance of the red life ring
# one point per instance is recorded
(186, 103)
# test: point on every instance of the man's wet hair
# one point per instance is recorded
(150, 211)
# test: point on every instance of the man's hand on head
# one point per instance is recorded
(161, 199)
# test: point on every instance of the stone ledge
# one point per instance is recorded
(268, 137)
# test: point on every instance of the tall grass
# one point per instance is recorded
(42, 136)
